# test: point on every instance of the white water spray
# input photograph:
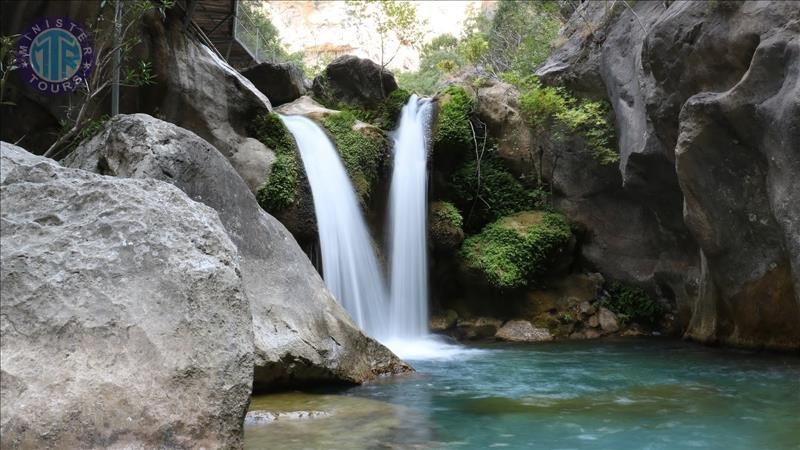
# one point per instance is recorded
(349, 265)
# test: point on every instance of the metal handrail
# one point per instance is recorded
(251, 41)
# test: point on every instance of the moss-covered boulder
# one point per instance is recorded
(453, 139)
(517, 249)
(363, 149)
(445, 226)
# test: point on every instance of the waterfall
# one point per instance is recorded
(408, 209)
(350, 268)
(349, 264)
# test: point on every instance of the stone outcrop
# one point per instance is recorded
(354, 81)
(522, 331)
(280, 82)
(702, 208)
(199, 91)
(124, 320)
(302, 335)
(497, 106)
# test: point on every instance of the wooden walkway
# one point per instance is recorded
(216, 20)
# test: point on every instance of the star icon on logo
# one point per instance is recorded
(87, 66)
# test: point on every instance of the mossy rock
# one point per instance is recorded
(453, 129)
(279, 190)
(384, 115)
(445, 224)
(515, 250)
(363, 149)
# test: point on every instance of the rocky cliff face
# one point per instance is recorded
(706, 97)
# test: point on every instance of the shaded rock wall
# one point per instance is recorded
(705, 96)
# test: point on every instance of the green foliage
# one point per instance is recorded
(517, 38)
(279, 190)
(396, 24)
(447, 212)
(7, 64)
(633, 303)
(454, 131)
(514, 249)
(437, 58)
(362, 151)
(385, 115)
(270, 130)
(475, 48)
(499, 194)
(140, 74)
(555, 110)
(257, 32)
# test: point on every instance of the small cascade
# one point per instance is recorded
(349, 265)
(408, 209)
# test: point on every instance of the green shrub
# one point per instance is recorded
(362, 151)
(447, 212)
(633, 303)
(279, 190)
(500, 193)
(512, 250)
(454, 131)
(554, 109)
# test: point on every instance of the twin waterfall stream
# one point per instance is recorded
(395, 313)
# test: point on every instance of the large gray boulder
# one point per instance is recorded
(700, 209)
(199, 91)
(302, 335)
(280, 82)
(354, 81)
(124, 323)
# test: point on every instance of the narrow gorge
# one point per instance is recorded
(574, 224)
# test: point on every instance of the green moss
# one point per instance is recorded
(384, 116)
(500, 193)
(280, 188)
(632, 304)
(279, 191)
(554, 109)
(512, 250)
(447, 212)
(362, 151)
(453, 131)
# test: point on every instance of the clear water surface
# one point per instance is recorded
(617, 395)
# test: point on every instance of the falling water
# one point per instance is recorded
(349, 264)
(408, 222)
(408, 207)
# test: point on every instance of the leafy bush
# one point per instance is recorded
(500, 193)
(278, 191)
(633, 303)
(437, 58)
(362, 151)
(512, 250)
(454, 131)
(447, 212)
(555, 110)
